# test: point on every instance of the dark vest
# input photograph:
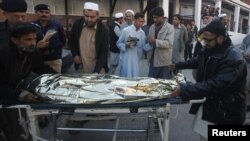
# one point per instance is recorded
(113, 38)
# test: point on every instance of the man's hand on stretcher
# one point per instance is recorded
(175, 93)
(27, 96)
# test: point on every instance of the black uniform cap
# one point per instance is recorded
(14, 5)
(41, 7)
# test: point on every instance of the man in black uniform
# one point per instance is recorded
(17, 60)
(15, 12)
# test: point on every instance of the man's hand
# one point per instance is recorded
(77, 59)
(30, 98)
(176, 92)
(102, 71)
(172, 67)
(151, 39)
(27, 96)
(247, 56)
(42, 44)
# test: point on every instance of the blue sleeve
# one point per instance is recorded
(121, 41)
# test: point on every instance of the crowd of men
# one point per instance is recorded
(221, 69)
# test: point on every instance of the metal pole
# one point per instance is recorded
(54, 130)
(66, 16)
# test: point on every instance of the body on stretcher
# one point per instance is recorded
(102, 95)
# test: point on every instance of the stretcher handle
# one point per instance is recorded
(197, 101)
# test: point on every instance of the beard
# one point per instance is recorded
(27, 49)
(90, 24)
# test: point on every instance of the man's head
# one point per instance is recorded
(90, 14)
(139, 20)
(207, 18)
(14, 10)
(193, 22)
(224, 18)
(158, 15)
(188, 26)
(176, 20)
(43, 12)
(24, 37)
(119, 17)
(214, 34)
(129, 16)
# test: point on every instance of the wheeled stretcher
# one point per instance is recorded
(108, 97)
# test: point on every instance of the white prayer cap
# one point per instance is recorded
(118, 15)
(91, 6)
(223, 15)
(131, 11)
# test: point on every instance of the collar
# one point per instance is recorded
(179, 26)
(134, 28)
(48, 24)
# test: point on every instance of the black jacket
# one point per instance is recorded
(101, 43)
(113, 38)
(16, 66)
(221, 78)
(4, 33)
(56, 42)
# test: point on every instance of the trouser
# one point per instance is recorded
(55, 64)
(10, 126)
(113, 61)
(160, 72)
(112, 69)
(188, 52)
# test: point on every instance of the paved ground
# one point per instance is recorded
(180, 128)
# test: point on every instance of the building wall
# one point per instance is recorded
(75, 7)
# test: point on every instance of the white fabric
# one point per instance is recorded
(56, 65)
(201, 126)
(131, 11)
(117, 31)
(118, 15)
(223, 15)
(91, 6)
(113, 62)
(114, 58)
(130, 57)
(23, 94)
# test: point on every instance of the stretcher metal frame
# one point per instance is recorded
(156, 108)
